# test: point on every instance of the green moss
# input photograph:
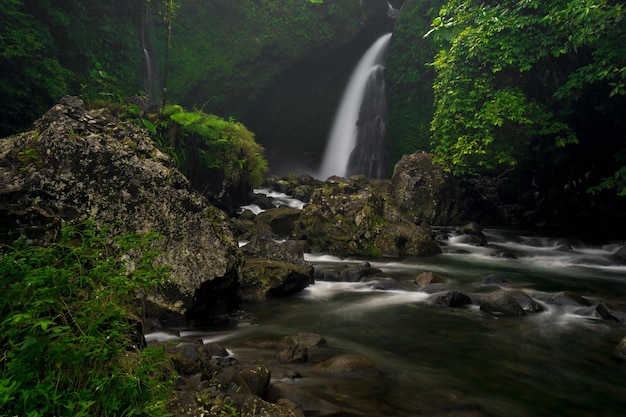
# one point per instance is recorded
(211, 150)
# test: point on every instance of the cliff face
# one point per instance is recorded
(78, 164)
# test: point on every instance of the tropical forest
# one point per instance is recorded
(303, 208)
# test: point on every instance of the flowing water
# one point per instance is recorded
(343, 134)
(461, 361)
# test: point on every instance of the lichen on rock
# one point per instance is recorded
(355, 216)
(78, 164)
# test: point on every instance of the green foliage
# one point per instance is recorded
(134, 112)
(211, 149)
(511, 72)
(31, 76)
(52, 48)
(410, 79)
(68, 341)
(617, 181)
(225, 52)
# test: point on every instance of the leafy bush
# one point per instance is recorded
(512, 74)
(69, 339)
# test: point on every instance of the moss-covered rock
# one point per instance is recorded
(357, 217)
(79, 164)
(266, 278)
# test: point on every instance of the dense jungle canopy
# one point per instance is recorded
(530, 91)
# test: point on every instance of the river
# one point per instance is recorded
(559, 362)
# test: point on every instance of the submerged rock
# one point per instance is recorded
(568, 298)
(494, 279)
(350, 362)
(310, 403)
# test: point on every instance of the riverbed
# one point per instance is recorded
(459, 361)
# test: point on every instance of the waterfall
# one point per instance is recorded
(343, 135)
(370, 155)
(149, 65)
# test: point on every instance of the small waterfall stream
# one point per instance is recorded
(149, 65)
(343, 136)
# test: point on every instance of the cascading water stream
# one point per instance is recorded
(343, 135)
(150, 76)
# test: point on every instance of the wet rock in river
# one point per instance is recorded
(494, 279)
(355, 216)
(620, 256)
(603, 311)
(266, 278)
(427, 278)
(510, 304)
(345, 273)
(293, 354)
(254, 380)
(568, 298)
(453, 299)
(350, 362)
(501, 253)
(306, 339)
(281, 220)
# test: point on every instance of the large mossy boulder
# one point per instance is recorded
(78, 164)
(355, 216)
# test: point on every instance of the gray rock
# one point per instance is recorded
(603, 311)
(567, 298)
(494, 279)
(79, 164)
(265, 278)
(254, 380)
(500, 253)
(293, 354)
(428, 278)
(453, 299)
(510, 304)
(425, 192)
(620, 256)
(248, 405)
(471, 228)
(281, 220)
(306, 340)
(356, 217)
